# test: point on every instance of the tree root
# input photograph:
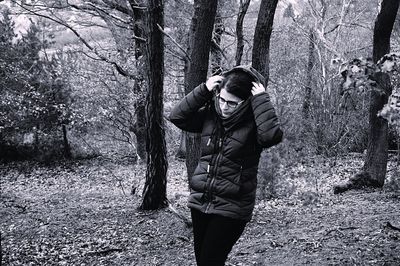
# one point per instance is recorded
(389, 225)
(358, 181)
(180, 215)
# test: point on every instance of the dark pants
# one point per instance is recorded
(214, 237)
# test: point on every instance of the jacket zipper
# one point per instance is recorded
(210, 201)
(219, 143)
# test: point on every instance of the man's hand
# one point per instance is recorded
(213, 81)
(257, 88)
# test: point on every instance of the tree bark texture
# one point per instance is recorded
(140, 124)
(200, 34)
(181, 153)
(262, 36)
(310, 66)
(154, 194)
(140, 85)
(216, 53)
(244, 5)
(375, 164)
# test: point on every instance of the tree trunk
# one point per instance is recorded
(199, 48)
(67, 147)
(154, 193)
(36, 140)
(140, 86)
(216, 52)
(140, 126)
(310, 66)
(181, 154)
(244, 5)
(262, 36)
(377, 152)
(119, 33)
(375, 164)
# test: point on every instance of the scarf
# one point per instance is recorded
(242, 113)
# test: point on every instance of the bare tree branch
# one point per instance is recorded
(244, 5)
(119, 69)
(185, 56)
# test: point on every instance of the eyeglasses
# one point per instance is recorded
(230, 104)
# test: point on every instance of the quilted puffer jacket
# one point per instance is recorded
(225, 179)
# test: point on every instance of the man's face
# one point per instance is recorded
(228, 102)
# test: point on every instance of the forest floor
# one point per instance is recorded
(76, 213)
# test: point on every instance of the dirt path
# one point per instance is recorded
(77, 214)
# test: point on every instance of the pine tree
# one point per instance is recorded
(7, 51)
(8, 72)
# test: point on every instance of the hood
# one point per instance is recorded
(249, 70)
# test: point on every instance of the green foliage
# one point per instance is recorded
(34, 98)
(359, 74)
(6, 30)
(391, 110)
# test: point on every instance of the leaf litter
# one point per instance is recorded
(76, 213)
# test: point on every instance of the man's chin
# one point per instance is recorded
(225, 115)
